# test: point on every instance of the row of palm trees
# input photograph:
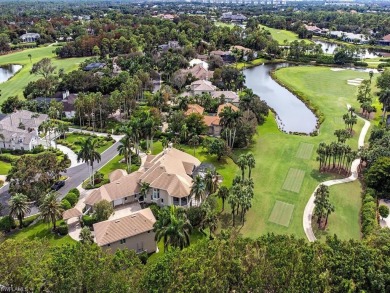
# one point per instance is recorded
(240, 197)
(335, 156)
(246, 161)
(323, 208)
(350, 119)
(50, 209)
(54, 127)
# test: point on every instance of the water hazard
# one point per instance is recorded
(292, 114)
(7, 71)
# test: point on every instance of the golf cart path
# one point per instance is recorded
(308, 212)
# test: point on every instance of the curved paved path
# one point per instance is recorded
(308, 212)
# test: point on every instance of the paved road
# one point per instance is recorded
(308, 212)
(76, 175)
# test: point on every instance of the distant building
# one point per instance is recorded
(29, 37)
(229, 16)
(349, 37)
(199, 87)
(93, 66)
(226, 56)
(170, 45)
(385, 41)
(20, 130)
(198, 72)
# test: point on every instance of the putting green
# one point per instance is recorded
(294, 179)
(304, 151)
(281, 213)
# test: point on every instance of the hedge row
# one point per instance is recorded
(70, 200)
(368, 214)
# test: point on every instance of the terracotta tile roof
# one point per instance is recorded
(386, 38)
(221, 107)
(124, 186)
(202, 85)
(111, 231)
(71, 213)
(241, 48)
(211, 120)
(117, 174)
(194, 108)
(229, 96)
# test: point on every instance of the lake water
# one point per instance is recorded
(7, 71)
(292, 114)
(329, 48)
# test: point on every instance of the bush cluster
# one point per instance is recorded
(360, 63)
(62, 228)
(70, 199)
(368, 214)
(88, 221)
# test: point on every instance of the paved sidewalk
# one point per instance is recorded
(308, 212)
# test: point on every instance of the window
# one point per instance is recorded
(126, 198)
(156, 193)
(123, 241)
(108, 244)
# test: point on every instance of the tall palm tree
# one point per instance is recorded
(251, 163)
(124, 150)
(89, 154)
(242, 162)
(19, 207)
(86, 236)
(144, 189)
(223, 193)
(211, 181)
(174, 228)
(198, 188)
(51, 209)
(384, 98)
(194, 142)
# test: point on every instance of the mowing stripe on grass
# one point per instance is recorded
(294, 179)
(304, 150)
(281, 213)
(339, 120)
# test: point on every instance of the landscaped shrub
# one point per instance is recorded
(8, 158)
(383, 65)
(7, 223)
(154, 208)
(62, 228)
(360, 64)
(368, 215)
(195, 216)
(38, 149)
(65, 204)
(88, 221)
(75, 191)
(71, 198)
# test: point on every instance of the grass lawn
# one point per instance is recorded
(281, 35)
(344, 222)
(241, 65)
(41, 230)
(224, 24)
(276, 152)
(115, 164)
(4, 168)
(74, 140)
(18, 82)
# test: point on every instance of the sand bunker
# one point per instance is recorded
(355, 82)
(337, 69)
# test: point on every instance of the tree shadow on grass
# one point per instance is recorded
(319, 233)
(324, 176)
(226, 220)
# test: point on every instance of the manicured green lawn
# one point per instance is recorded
(115, 164)
(4, 168)
(41, 230)
(241, 65)
(276, 152)
(74, 140)
(224, 24)
(18, 82)
(344, 222)
(281, 35)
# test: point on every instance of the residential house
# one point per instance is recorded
(198, 72)
(349, 37)
(93, 66)
(199, 87)
(134, 231)
(66, 98)
(228, 96)
(226, 56)
(194, 108)
(170, 45)
(314, 29)
(29, 37)
(20, 130)
(168, 175)
(385, 41)
(196, 61)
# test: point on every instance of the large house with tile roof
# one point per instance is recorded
(134, 231)
(19, 130)
(168, 174)
(199, 87)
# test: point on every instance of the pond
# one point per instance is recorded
(7, 71)
(329, 48)
(292, 114)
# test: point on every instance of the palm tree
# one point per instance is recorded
(233, 201)
(194, 142)
(174, 228)
(211, 181)
(144, 189)
(29, 56)
(89, 155)
(124, 150)
(384, 98)
(198, 188)
(251, 163)
(86, 236)
(62, 128)
(223, 193)
(51, 209)
(242, 162)
(19, 207)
